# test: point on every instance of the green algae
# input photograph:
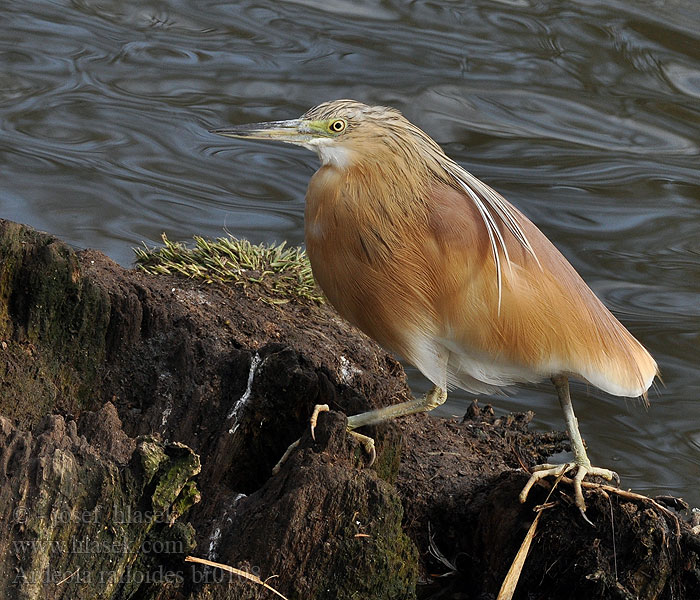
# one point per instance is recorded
(282, 273)
(53, 324)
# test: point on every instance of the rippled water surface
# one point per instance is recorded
(584, 114)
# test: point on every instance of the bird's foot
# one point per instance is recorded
(542, 471)
(318, 409)
(285, 456)
(365, 441)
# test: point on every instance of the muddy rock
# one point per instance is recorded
(115, 385)
(209, 366)
(77, 521)
(292, 527)
(463, 476)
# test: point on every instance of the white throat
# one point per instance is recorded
(331, 153)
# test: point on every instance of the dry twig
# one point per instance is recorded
(244, 574)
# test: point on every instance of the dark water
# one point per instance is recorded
(585, 114)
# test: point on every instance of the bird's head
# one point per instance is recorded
(340, 131)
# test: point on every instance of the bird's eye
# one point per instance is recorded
(337, 126)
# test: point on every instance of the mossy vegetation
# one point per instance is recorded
(282, 273)
(85, 526)
(390, 568)
(53, 324)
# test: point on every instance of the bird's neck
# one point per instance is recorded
(367, 200)
(335, 155)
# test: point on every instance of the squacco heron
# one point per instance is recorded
(441, 269)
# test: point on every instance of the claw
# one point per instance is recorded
(585, 518)
(368, 444)
(542, 471)
(366, 441)
(318, 409)
(285, 456)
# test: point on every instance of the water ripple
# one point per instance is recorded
(585, 115)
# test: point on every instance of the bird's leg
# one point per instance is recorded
(581, 462)
(366, 441)
(434, 398)
(318, 409)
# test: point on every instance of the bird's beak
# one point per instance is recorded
(295, 131)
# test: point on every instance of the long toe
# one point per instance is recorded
(285, 456)
(541, 472)
(578, 490)
(367, 443)
(582, 471)
(318, 409)
(606, 474)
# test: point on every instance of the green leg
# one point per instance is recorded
(434, 398)
(431, 400)
(581, 463)
(561, 384)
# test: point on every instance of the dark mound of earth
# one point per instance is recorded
(142, 416)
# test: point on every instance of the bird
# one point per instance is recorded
(439, 268)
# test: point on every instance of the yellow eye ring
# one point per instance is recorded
(337, 126)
